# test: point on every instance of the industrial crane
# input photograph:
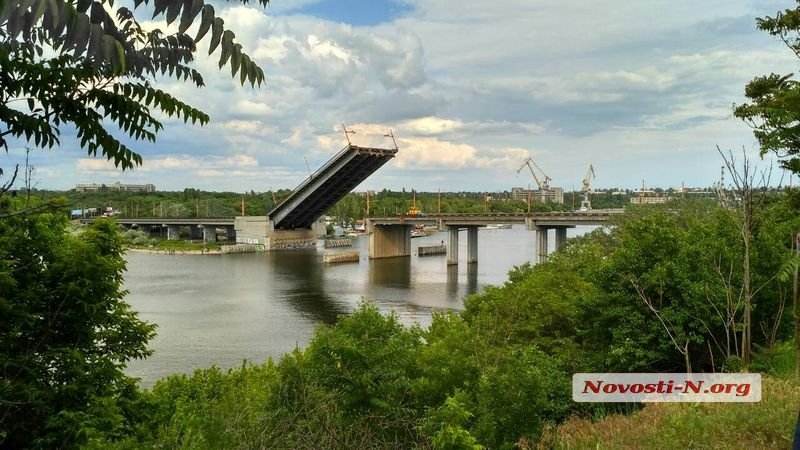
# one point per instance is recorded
(586, 204)
(544, 184)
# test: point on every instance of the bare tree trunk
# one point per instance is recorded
(746, 326)
(686, 357)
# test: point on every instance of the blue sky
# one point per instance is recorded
(641, 90)
(355, 12)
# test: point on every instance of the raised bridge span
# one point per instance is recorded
(331, 183)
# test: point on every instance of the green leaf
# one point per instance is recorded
(205, 23)
(173, 9)
(216, 34)
(191, 8)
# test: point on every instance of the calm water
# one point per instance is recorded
(223, 309)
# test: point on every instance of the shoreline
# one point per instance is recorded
(161, 251)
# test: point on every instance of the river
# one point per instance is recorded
(223, 309)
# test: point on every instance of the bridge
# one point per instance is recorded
(296, 221)
(205, 227)
(391, 236)
(331, 183)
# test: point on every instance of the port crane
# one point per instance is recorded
(586, 203)
(543, 183)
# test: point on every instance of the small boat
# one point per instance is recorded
(418, 233)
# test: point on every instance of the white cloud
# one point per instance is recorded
(637, 89)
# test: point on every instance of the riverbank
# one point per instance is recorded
(174, 251)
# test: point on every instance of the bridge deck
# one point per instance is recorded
(566, 218)
(328, 185)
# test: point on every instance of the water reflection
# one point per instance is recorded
(304, 290)
(390, 272)
(472, 278)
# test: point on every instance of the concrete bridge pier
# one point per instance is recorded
(209, 233)
(389, 241)
(561, 236)
(173, 232)
(452, 245)
(472, 245)
(541, 239)
(541, 244)
(230, 233)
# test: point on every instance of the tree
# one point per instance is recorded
(773, 108)
(66, 334)
(72, 62)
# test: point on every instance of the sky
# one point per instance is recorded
(642, 91)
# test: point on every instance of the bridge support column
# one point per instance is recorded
(472, 245)
(209, 233)
(389, 241)
(452, 245)
(561, 236)
(173, 232)
(541, 244)
(230, 233)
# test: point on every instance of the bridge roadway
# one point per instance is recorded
(208, 225)
(391, 236)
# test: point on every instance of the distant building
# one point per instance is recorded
(94, 187)
(648, 197)
(552, 195)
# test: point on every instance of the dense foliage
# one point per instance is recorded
(65, 335)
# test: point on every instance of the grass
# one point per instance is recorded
(768, 424)
(164, 244)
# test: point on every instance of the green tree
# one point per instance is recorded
(66, 334)
(773, 101)
(65, 62)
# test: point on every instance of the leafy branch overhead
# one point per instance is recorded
(84, 63)
(773, 108)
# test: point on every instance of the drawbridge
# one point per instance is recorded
(332, 182)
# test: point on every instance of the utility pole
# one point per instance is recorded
(573, 197)
(242, 205)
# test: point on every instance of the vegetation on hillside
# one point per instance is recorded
(497, 374)
(692, 285)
